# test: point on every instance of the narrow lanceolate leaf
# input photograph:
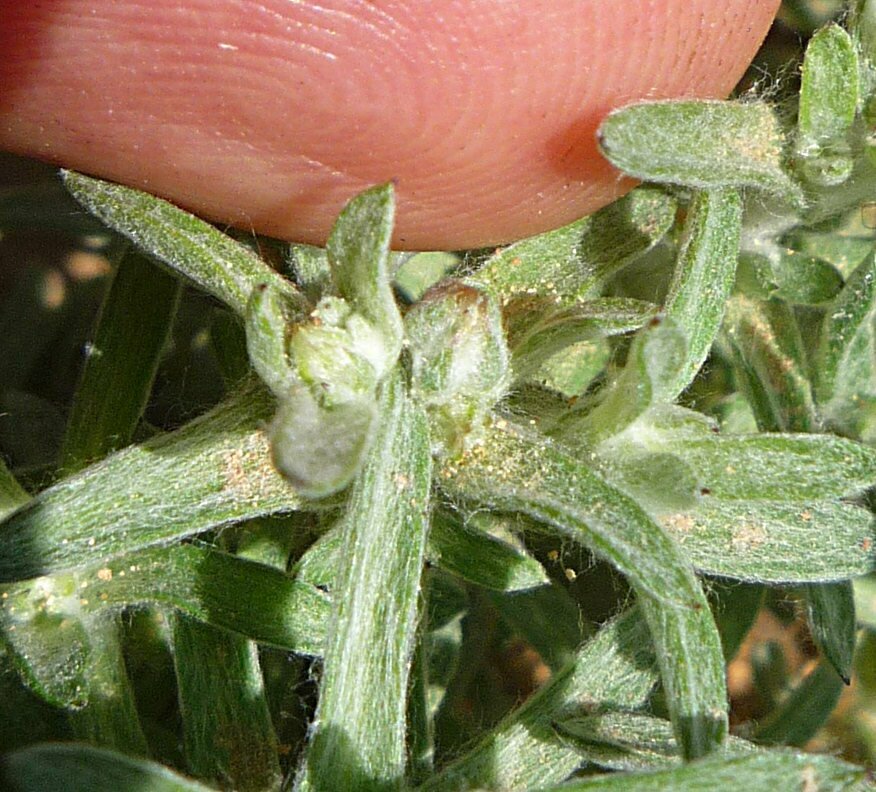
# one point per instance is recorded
(124, 353)
(197, 251)
(616, 669)
(828, 103)
(359, 736)
(214, 471)
(705, 144)
(704, 276)
(462, 550)
(570, 263)
(226, 723)
(770, 363)
(480, 558)
(777, 467)
(251, 599)
(691, 662)
(759, 772)
(804, 711)
(628, 741)
(517, 471)
(788, 275)
(226, 591)
(844, 366)
(82, 768)
(736, 607)
(358, 254)
(774, 542)
(831, 612)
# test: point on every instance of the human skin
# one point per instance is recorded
(270, 114)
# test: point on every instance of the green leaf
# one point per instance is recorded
(804, 711)
(770, 542)
(843, 252)
(311, 270)
(252, 599)
(197, 251)
(846, 372)
(109, 718)
(629, 741)
(770, 363)
(759, 772)
(705, 144)
(535, 340)
(359, 734)
(830, 609)
(736, 607)
(703, 277)
(691, 662)
(358, 254)
(790, 276)
(458, 548)
(82, 768)
(421, 271)
(547, 618)
(616, 669)
(571, 371)
(572, 262)
(12, 494)
(123, 356)
(828, 104)
(517, 471)
(659, 482)
(787, 468)
(267, 322)
(212, 472)
(480, 558)
(226, 723)
(652, 369)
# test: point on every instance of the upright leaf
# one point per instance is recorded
(831, 612)
(828, 104)
(845, 365)
(759, 772)
(124, 353)
(703, 277)
(359, 736)
(358, 254)
(227, 731)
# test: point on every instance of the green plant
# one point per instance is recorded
(418, 454)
